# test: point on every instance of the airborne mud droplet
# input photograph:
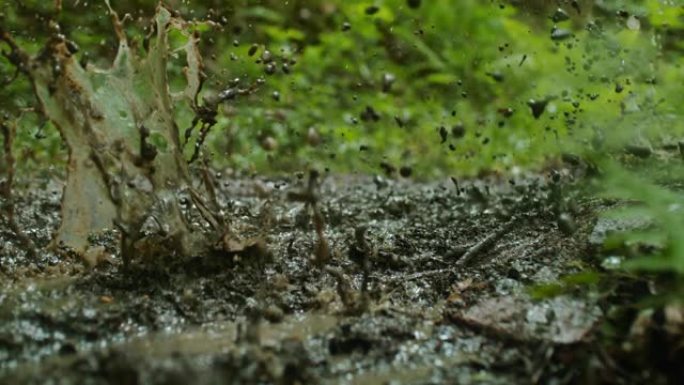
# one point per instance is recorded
(497, 76)
(559, 34)
(576, 6)
(387, 81)
(400, 122)
(313, 137)
(370, 115)
(506, 112)
(458, 130)
(560, 15)
(252, 49)
(269, 143)
(413, 3)
(443, 134)
(638, 150)
(388, 168)
(372, 10)
(537, 106)
(405, 171)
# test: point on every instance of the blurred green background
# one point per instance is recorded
(438, 87)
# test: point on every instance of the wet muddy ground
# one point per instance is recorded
(427, 283)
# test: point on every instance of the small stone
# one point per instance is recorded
(566, 224)
(273, 313)
(269, 143)
(106, 299)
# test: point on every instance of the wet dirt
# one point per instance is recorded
(275, 317)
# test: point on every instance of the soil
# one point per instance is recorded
(411, 294)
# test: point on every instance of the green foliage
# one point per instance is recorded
(469, 62)
(659, 205)
(456, 63)
(565, 285)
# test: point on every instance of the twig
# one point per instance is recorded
(18, 57)
(213, 219)
(205, 116)
(344, 289)
(474, 252)
(210, 187)
(423, 274)
(310, 198)
(469, 257)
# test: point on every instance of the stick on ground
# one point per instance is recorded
(470, 257)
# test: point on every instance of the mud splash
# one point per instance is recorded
(126, 165)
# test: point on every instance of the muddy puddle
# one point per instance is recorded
(427, 283)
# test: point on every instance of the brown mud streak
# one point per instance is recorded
(7, 207)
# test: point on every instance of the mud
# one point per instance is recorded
(271, 316)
